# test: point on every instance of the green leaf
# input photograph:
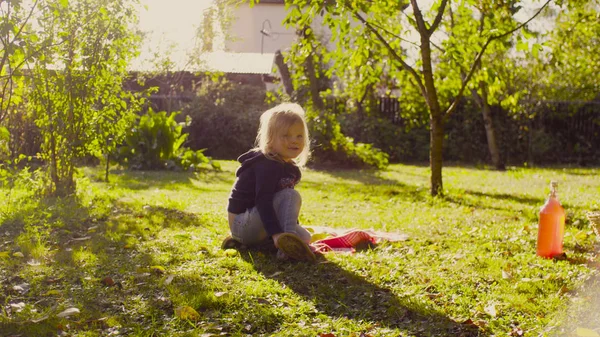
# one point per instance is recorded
(527, 34)
(522, 46)
(64, 3)
(183, 236)
(535, 49)
(4, 133)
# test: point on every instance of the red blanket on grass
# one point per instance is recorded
(344, 243)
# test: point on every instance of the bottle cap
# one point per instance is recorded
(553, 187)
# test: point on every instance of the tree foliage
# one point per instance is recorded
(80, 105)
(20, 45)
(572, 55)
(374, 38)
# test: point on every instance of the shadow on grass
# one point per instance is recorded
(81, 253)
(143, 180)
(340, 293)
(366, 176)
(590, 172)
(572, 170)
(373, 187)
(479, 203)
(574, 212)
(507, 197)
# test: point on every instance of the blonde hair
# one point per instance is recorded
(276, 121)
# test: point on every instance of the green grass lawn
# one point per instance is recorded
(468, 269)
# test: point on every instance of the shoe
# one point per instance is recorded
(231, 243)
(293, 247)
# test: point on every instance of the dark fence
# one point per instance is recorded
(551, 132)
(572, 121)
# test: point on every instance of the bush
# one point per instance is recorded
(155, 143)
(225, 118)
(331, 147)
(400, 144)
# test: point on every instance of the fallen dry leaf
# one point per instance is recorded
(52, 280)
(68, 312)
(169, 280)
(262, 301)
(17, 306)
(81, 238)
(108, 281)
(517, 332)
(490, 309)
(478, 324)
(37, 320)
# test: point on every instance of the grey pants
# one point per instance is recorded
(248, 228)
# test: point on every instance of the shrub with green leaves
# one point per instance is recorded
(156, 143)
(332, 147)
(225, 117)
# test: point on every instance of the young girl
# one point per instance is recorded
(263, 204)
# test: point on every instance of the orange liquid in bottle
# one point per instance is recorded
(551, 229)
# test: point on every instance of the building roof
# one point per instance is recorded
(225, 62)
(238, 63)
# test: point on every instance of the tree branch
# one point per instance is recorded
(438, 18)
(410, 20)
(405, 65)
(480, 54)
(438, 47)
(401, 38)
(25, 21)
(391, 34)
(418, 16)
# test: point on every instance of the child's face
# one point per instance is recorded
(288, 145)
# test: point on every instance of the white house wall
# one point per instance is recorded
(247, 24)
(245, 31)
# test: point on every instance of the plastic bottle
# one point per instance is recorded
(551, 228)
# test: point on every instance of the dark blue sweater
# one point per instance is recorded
(258, 179)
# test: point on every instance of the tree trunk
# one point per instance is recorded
(530, 159)
(107, 167)
(284, 72)
(490, 131)
(436, 118)
(314, 85)
(436, 140)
